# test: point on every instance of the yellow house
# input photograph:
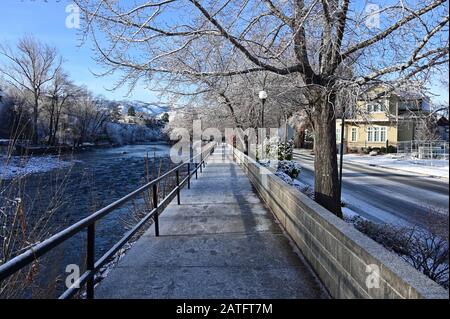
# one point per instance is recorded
(393, 118)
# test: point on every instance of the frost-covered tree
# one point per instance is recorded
(317, 42)
(60, 93)
(87, 117)
(30, 67)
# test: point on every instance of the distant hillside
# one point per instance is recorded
(149, 109)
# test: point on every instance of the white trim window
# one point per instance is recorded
(370, 134)
(338, 134)
(376, 134)
(374, 108)
(354, 134)
(383, 133)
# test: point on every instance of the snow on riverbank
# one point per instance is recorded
(17, 166)
(434, 167)
(122, 134)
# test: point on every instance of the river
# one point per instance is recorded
(95, 178)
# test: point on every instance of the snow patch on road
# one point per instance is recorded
(435, 167)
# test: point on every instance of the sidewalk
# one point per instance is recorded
(221, 242)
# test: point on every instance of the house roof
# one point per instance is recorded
(410, 91)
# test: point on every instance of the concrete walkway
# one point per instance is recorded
(221, 242)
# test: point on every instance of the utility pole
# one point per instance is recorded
(341, 152)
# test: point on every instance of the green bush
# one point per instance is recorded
(272, 148)
(285, 150)
(290, 168)
(391, 149)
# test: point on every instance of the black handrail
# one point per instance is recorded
(27, 257)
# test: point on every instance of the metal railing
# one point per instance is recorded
(429, 150)
(92, 266)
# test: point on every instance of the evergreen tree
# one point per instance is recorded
(131, 111)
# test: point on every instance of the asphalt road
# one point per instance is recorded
(383, 195)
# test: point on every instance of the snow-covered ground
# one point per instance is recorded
(382, 196)
(17, 166)
(308, 190)
(434, 167)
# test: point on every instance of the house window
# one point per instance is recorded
(383, 134)
(354, 134)
(338, 134)
(411, 105)
(374, 107)
(376, 134)
(370, 134)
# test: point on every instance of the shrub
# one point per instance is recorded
(274, 149)
(391, 149)
(425, 249)
(285, 150)
(290, 168)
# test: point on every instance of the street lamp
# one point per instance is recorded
(262, 97)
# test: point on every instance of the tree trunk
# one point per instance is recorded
(35, 121)
(50, 127)
(326, 182)
(299, 139)
(55, 130)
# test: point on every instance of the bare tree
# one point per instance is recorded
(32, 65)
(60, 91)
(88, 117)
(316, 41)
(19, 119)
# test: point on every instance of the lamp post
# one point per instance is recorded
(262, 97)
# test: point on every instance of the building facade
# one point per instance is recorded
(384, 122)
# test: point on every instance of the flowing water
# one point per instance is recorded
(95, 179)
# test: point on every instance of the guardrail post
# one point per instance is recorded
(196, 170)
(201, 161)
(155, 205)
(189, 175)
(204, 161)
(178, 186)
(90, 261)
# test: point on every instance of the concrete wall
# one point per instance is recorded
(337, 252)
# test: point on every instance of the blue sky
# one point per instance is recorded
(46, 21)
